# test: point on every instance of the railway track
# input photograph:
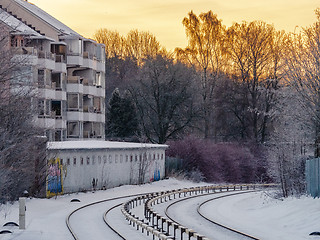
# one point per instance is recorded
(166, 228)
(226, 194)
(222, 225)
(107, 222)
(124, 198)
(153, 224)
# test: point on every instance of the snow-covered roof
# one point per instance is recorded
(98, 144)
(17, 25)
(46, 17)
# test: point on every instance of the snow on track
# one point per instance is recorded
(185, 212)
(288, 219)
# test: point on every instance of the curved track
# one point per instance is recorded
(206, 218)
(219, 224)
(109, 225)
(146, 201)
(74, 235)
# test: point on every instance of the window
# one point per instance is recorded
(81, 160)
(61, 161)
(104, 159)
(58, 135)
(56, 109)
(131, 158)
(110, 159)
(88, 160)
(41, 78)
(44, 107)
(14, 42)
(116, 158)
(68, 161)
(93, 160)
(74, 160)
(48, 78)
(99, 159)
(47, 108)
(73, 101)
(41, 107)
(98, 79)
(73, 129)
(80, 46)
(127, 157)
(121, 158)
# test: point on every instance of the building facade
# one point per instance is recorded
(85, 165)
(66, 75)
(67, 70)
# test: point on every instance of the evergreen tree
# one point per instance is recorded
(122, 117)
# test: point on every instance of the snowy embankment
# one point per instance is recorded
(257, 214)
(267, 218)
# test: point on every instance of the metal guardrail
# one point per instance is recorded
(166, 229)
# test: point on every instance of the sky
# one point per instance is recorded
(164, 18)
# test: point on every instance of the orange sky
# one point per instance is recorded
(163, 18)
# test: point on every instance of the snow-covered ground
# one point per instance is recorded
(254, 213)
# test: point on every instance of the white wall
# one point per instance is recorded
(110, 167)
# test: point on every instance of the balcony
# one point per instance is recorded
(46, 55)
(74, 80)
(25, 51)
(75, 84)
(74, 59)
(46, 60)
(23, 54)
(60, 63)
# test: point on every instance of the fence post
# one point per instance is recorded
(22, 213)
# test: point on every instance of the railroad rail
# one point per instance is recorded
(74, 235)
(106, 221)
(207, 219)
(219, 224)
(163, 228)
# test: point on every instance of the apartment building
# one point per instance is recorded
(67, 69)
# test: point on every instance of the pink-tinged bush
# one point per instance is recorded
(222, 162)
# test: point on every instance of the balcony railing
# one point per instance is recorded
(89, 55)
(91, 134)
(46, 55)
(61, 59)
(40, 54)
(74, 79)
(25, 51)
(89, 109)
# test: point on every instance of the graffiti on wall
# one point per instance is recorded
(156, 175)
(54, 178)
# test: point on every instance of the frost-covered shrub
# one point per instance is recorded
(195, 175)
(222, 162)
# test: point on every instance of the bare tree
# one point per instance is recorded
(255, 50)
(22, 147)
(114, 42)
(140, 45)
(303, 72)
(163, 94)
(205, 52)
(143, 165)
